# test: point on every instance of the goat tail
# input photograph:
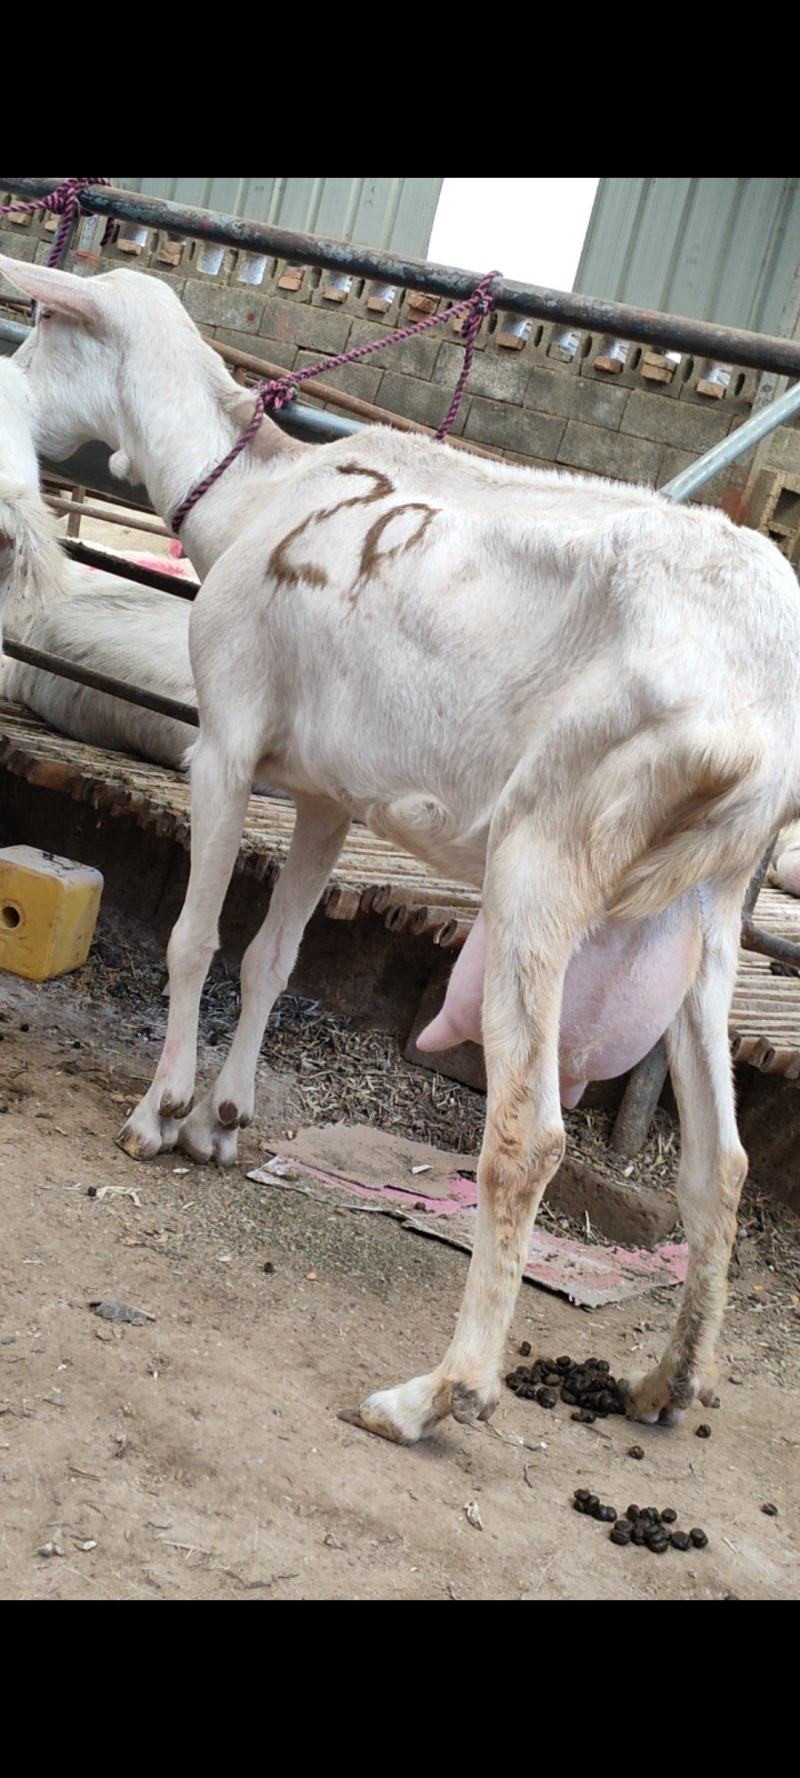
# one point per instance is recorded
(31, 570)
(718, 829)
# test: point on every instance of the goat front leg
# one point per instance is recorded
(212, 1130)
(218, 814)
(533, 916)
(713, 1168)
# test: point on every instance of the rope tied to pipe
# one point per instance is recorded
(277, 392)
(65, 202)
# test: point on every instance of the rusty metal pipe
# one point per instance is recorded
(728, 345)
(366, 410)
(103, 558)
(768, 944)
(115, 688)
(128, 520)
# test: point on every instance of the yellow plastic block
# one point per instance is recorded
(48, 912)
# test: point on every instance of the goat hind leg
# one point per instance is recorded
(218, 814)
(533, 913)
(712, 1170)
(211, 1131)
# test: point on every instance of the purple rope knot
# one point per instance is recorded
(276, 394)
(479, 304)
(483, 298)
(64, 201)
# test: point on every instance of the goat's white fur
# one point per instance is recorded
(569, 691)
(784, 870)
(129, 632)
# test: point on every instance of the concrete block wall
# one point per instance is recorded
(541, 394)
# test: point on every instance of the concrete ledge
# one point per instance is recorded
(631, 1215)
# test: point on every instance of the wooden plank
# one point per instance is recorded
(373, 877)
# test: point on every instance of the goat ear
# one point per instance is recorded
(61, 291)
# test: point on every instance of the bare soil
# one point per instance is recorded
(198, 1454)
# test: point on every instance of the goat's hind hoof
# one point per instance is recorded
(468, 1407)
(646, 1399)
(413, 1410)
(368, 1421)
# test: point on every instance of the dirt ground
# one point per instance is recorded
(198, 1455)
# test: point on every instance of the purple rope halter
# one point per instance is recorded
(277, 392)
(65, 202)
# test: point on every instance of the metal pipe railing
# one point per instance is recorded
(93, 557)
(722, 455)
(116, 688)
(728, 345)
(84, 509)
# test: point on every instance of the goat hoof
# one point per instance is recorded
(468, 1407)
(412, 1410)
(373, 1421)
(146, 1134)
(205, 1137)
(647, 1398)
(136, 1144)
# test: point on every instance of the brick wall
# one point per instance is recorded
(540, 394)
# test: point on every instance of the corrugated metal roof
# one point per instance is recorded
(395, 214)
(715, 249)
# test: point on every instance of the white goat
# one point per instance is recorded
(570, 692)
(28, 552)
(133, 633)
(784, 871)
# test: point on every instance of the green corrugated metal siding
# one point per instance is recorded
(395, 214)
(715, 249)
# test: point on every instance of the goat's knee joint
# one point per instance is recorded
(187, 948)
(512, 1169)
(733, 1173)
(550, 1153)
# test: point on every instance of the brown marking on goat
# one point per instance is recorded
(371, 554)
(168, 1107)
(383, 487)
(515, 1169)
(284, 572)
